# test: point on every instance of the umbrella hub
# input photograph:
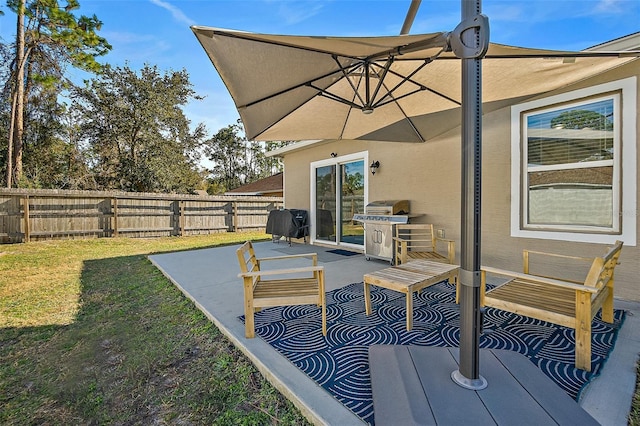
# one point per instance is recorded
(373, 81)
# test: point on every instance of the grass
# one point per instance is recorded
(634, 414)
(92, 333)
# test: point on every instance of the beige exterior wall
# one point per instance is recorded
(428, 175)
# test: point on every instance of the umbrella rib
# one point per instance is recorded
(246, 36)
(415, 129)
(549, 55)
(439, 41)
(387, 65)
(288, 89)
(346, 76)
(623, 54)
(405, 79)
(442, 95)
(333, 97)
(420, 89)
(421, 86)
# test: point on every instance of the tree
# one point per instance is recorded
(238, 161)
(135, 129)
(54, 157)
(48, 37)
(273, 165)
(227, 149)
(582, 119)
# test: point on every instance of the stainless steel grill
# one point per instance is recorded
(379, 219)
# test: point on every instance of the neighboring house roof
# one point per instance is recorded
(268, 186)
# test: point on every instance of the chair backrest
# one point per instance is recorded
(247, 258)
(419, 236)
(602, 268)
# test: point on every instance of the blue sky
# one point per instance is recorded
(157, 31)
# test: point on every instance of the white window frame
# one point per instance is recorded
(625, 166)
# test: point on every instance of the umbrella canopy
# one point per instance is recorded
(398, 88)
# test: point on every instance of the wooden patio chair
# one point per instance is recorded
(279, 287)
(419, 241)
(566, 302)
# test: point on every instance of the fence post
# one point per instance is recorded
(114, 208)
(181, 209)
(235, 216)
(27, 228)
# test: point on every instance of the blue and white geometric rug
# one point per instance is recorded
(339, 361)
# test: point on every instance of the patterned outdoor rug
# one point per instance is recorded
(339, 361)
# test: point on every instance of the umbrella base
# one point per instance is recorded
(473, 384)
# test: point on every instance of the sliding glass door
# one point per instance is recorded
(326, 208)
(351, 202)
(339, 192)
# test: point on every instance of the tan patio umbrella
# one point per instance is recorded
(407, 88)
(397, 88)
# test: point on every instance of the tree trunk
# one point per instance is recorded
(9, 171)
(18, 113)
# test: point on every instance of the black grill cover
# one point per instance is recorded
(288, 223)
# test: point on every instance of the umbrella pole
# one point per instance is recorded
(411, 14)
(468, 374)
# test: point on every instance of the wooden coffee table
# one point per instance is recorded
(407, 278)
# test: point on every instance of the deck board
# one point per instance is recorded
(517, 393)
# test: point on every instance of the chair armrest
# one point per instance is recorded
(451, 249)
(526, 263)
(281, 271)
(289, 256)
(445, 240)
(543, 280)
(585, 259)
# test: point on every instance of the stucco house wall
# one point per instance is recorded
(428, 174)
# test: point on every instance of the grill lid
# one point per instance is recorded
(388, 207)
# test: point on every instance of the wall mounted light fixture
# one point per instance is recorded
(374, 167)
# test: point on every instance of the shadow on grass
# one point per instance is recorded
(138, 352)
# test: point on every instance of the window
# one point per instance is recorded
(570, 180)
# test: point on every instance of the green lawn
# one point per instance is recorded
(92, 333)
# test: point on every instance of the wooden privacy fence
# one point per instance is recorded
(27, 215)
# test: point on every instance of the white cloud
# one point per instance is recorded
(609, 7)
(125, 37)
(178, 15)
(294, 13)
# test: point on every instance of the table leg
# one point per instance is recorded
(367, 298)
(409, 310)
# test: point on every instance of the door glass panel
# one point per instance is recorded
(351, 202)
(326, 185)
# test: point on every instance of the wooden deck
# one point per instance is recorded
(413, 385)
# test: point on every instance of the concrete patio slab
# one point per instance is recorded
(209, 278)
